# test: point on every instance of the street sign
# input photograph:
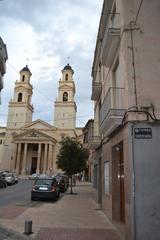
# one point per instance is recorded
(143, 133)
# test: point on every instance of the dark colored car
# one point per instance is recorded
(63, 182)
(45, 189)
(34, 176)
(3, 183)
(43, 176)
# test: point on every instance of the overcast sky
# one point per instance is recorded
(47, 32)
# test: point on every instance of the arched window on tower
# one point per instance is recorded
(66, 77)
(23, 78)
(20, 97)
(65, 96)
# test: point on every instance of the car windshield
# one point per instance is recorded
(44, 182)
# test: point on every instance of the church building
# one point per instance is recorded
(28, 146)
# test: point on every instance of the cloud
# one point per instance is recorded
(47, 32)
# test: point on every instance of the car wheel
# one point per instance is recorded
(33, 199)
(58, 194)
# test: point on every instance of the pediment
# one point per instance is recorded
(33, 135)
(39, 124)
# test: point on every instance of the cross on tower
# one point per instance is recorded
(68, 59)
(27, 60)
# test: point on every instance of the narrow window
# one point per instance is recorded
(65, 96)
(66, 77)
(23, 78)
(20, 97)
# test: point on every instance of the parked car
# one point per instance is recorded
(43, 176)
(45, 189)
(67, 180)
(16, 177)
(3, 183)
(63, 182)
(9, 177)
(34, 176)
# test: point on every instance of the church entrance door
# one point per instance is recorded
(34, 165)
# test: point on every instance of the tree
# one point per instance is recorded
(72, 157)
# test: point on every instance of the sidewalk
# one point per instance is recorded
(72, 217)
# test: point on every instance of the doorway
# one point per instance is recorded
(118, 187)
(34, 165)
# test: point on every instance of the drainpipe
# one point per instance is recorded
(100, 182)
(132, 28)
(133, 186)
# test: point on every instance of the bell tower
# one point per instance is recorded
(20, 109)
(65, 106)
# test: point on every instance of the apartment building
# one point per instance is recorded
(126, 135)
(3, 59)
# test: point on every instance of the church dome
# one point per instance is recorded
(68, 67)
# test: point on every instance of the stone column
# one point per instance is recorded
(39, 158)
(45, 158)
(53, 165)
(18, 157)
(49, 159)
(24, 159)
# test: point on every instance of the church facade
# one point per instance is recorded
(28, 146)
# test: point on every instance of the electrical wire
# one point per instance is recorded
(34, 86)
(12, 66)
(58, 119)
(140, 5)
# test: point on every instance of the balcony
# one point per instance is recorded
(94, 142)
(96, 90)
(90, 130)
(112, 110)
(2, 67)
(110, 46)
(1, 82)
(3, 57)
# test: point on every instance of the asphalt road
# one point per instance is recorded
(18, 193)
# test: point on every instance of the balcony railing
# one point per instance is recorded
(96, 90)
(111, 43)
(91, 141)
(111, 39)
(94, 141)
(2, 67)
(112, 109)
(1, 82)
(3, 57)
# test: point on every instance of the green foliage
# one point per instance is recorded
(72, 156)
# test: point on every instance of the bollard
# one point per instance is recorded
(28, 227)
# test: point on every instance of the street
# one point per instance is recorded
(72, 217)
(16, 194)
